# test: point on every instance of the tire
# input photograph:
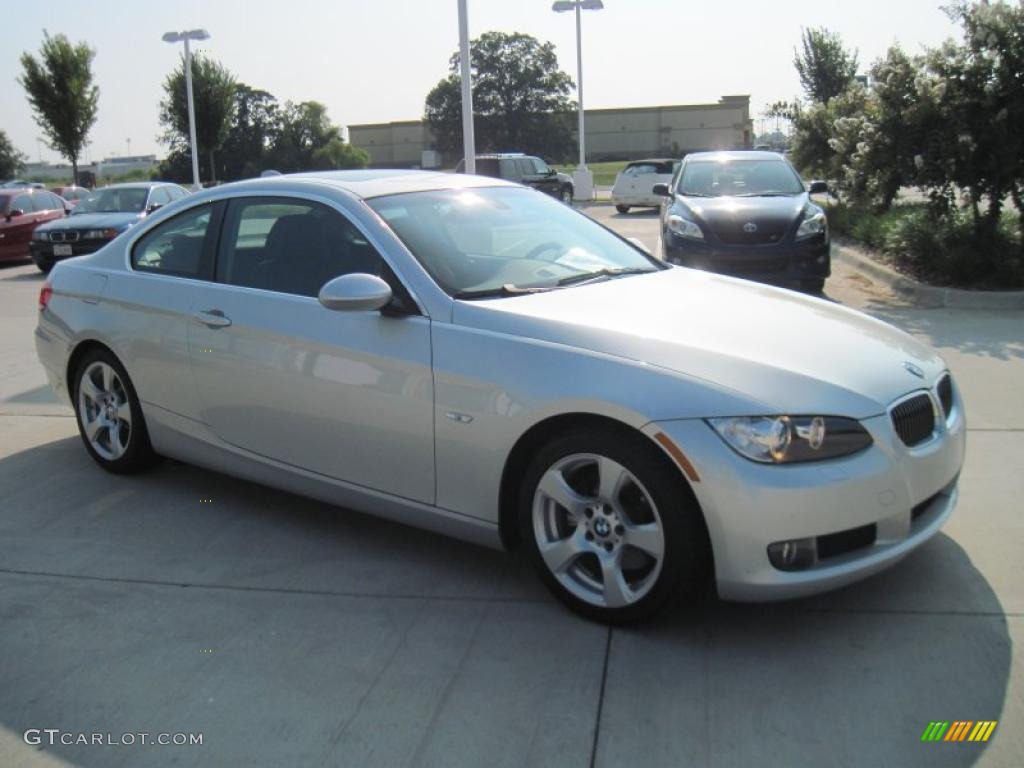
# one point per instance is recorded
(813, 284)
(45, 267)
(622, 208)
(644, 530)
(109, 415)
(565, 195)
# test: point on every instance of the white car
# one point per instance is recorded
(634, 184)
(463, 354)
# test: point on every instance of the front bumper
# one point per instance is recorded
(905, 494)
(642, 201)
(784, 261)
(44, 257)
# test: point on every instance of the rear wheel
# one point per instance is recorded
(109, 415)
(610, 526)
(622, 208)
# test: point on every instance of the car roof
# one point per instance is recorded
(654, 160)
(138, 185)
(367, 183)
(736, 154)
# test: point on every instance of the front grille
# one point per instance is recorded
(744, 263)
(846, 541)
(66, 236)
(734, 234)
(914, 419)
(945, 391)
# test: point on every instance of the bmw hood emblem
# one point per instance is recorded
(914, 369)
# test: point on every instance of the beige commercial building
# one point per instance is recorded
(612, 134)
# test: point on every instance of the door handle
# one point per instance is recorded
(213, 318)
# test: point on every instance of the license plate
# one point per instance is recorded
(61, 250)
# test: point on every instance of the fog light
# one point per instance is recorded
(793, 555)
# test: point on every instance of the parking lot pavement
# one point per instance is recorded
(289, 632)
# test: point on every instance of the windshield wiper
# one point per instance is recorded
(600, 274)
(508, 289)
(766, 194)
(694, 194)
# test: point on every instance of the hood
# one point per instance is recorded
(725, 215)
(117, 220)
(563, 177)
(793, 353)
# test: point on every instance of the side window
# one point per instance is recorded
(179, 246)
(176, 193)
(539, 166)
(22, 203)
(525, 168)
(290, 246)
(510, 169)
(159, 196)
(41, 202)
(58, 203)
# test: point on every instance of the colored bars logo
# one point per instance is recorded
(959, 730)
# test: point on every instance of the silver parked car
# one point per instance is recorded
(463, 354)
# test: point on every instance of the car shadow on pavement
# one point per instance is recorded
(111, 586)
(995, 334)
(637, 213)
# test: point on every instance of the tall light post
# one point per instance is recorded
(582, 179)
(468, 140)
(177, 37)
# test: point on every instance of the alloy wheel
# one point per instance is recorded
(104, 410)
(598, 530)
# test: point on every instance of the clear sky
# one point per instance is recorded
(375, 60)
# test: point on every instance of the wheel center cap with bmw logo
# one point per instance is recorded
(601, 527)
(750, 227)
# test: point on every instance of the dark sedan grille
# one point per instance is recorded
(64, 236)
(914, 419)
(734, 233)
(945, 390)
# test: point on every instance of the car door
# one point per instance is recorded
(47, 206)
(18, 229)
(348, 395)
(541, 175)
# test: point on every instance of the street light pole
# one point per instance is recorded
(174, 37)
(582, 179)
(468, 140)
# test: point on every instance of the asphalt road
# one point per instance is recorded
(291, 633)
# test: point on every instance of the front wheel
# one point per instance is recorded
(611, 526)
(109, 415)
(622, 208)
(813, 284)
(566, 195)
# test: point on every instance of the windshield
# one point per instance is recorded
(739, 178)
(498, 240)
(129, 200)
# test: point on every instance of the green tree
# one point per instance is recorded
(60, 89)
(308, 140)
(213, 93)
(11, 160)
(256, 127)
(520, 99)
(825, 67)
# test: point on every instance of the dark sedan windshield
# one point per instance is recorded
(739, 178)
(130, 200)
(500, 241)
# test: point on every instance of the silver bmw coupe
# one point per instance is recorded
(470, 356)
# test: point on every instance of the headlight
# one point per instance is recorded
(788, 439)
(37, 235)
(814, 223)
(100, 234)
(684, 227)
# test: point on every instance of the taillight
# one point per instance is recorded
(44, 295)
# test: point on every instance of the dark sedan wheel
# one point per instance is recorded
(109, 415)
(813, 284)
(622, 208)
(610, 529)
(566, 195)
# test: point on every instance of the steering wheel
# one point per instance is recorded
(551, 245)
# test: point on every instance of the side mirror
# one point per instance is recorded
(67, 210)
(355, 292)
(14, 213)
(661, 190)
(154, 207)
(818, 187)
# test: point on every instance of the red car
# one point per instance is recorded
(72, 194)
(21, 211)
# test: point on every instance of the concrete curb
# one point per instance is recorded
(926, 295)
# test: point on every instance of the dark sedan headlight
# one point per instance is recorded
(790, 439)
(100, 234)
(684, 227)
(814, 223)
